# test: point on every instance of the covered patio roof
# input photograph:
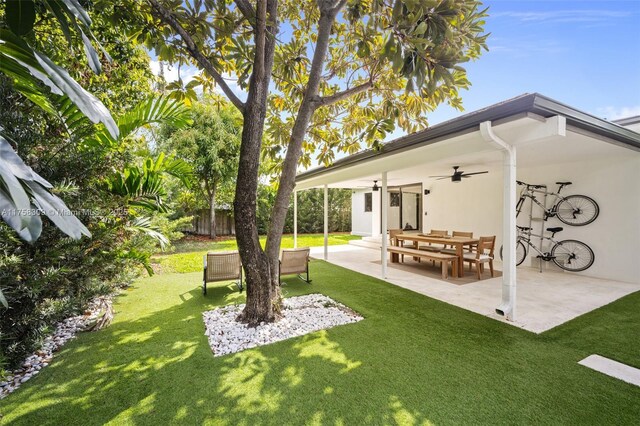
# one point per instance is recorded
(520, 121)
(540, 130)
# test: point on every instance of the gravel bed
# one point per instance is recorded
(301, 315)
(65, 331)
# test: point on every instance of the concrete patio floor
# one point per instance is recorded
(544, 300)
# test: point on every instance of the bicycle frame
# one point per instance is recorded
(525, 238)
(529, 192)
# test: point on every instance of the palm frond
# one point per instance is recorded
(27, 65)
(144, 225)
(25, 195)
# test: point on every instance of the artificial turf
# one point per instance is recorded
(412, 360)
(187, 255)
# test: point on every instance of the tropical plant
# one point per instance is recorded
(212, 145)
(339, 73)
(24, 195)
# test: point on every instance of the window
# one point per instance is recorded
(368, 202)
(394, 199)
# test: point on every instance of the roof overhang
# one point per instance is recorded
(519, 120)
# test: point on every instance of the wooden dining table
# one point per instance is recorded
(457, 242)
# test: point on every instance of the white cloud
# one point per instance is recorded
(232, 82)
(615, 113)
(565, 16)
(526, 47)
(187, 72)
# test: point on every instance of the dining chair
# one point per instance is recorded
(434, 247)
(483, 254)
(452, 250)
(392, 240)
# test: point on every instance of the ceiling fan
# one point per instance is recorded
(458, 175)
(375, 186)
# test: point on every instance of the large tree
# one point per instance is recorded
(212, 145)
(328, 74)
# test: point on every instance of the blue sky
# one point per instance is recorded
(582, 53)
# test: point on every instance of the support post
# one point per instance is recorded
(295, 219)
(508, 306)
(383, 230)
(326, 222)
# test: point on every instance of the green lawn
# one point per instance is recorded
(412, 360)
(187, 255)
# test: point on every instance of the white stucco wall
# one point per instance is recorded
(614, 182)
(360, 220)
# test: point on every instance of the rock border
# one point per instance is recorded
(301, 315)
(65, 331)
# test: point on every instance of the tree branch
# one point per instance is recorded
(195, 53)
(247, 10)
(337, 97)
(339, 5)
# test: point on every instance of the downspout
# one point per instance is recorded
(295, 219)
(384, 203)
(326, 221)
(507, 307)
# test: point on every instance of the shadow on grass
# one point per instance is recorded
(412, 360)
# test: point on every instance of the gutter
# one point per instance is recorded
(496, 114)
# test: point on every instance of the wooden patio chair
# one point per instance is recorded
(459, 234)
(482, 255)
(222, 266)
(392, 240)
(295, 261)
(434, 247)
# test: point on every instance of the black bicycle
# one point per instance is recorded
(576, 210)
(570, 255)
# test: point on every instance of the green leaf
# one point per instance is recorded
(92, 55)
(20, 16)
(86, 102)
(3, 300)
(55, 77)
(58, 212)
(78, 11)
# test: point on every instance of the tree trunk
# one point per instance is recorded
(263, 287)
(212, 212)
(294, 147)
(263, 290)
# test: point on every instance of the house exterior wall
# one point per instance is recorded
(614, 182)
(361, 221)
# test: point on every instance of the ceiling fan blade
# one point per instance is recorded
(475, 173)
(441, 176)
(444, 177)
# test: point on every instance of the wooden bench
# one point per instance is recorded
(445, 259)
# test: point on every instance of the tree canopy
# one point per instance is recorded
(212, 146)
(320, 76)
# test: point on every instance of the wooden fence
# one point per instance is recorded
(224, 223)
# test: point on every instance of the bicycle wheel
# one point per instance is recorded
(577, 210)
(521, 252)
(572, 255)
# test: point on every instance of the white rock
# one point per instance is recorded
(302, 315)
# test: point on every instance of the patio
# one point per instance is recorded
(545, 300)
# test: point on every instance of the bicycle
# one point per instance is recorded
(575, 210)
(570, 255)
